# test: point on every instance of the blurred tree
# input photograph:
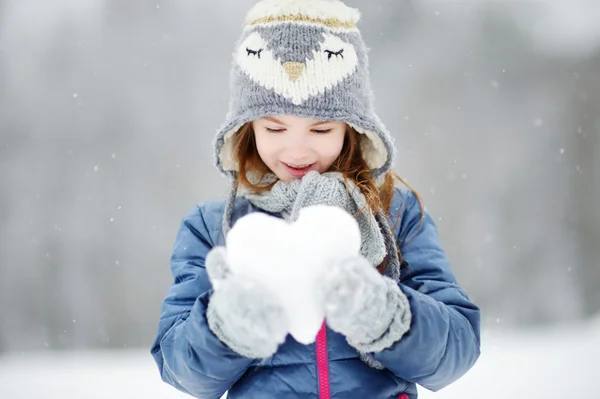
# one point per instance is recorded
(581, 125)
(105, 129)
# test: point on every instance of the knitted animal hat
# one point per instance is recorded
(304, 58)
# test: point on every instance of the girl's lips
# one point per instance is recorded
(298, 173)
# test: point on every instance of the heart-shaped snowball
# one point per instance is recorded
(290, 258)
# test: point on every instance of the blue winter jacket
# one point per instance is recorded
(441, 345)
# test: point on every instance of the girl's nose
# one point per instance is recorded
(298, 154)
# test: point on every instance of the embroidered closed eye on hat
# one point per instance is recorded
(305, 58)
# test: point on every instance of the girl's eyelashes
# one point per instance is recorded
(318, 131)
(274, 130)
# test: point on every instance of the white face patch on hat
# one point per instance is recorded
(334, 61)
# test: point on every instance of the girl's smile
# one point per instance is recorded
(299, 171)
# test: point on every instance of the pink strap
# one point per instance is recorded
(323, 364)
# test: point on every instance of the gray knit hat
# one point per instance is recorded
(304, 58)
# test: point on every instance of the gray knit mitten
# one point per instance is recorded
(243, 313)
(368, 308)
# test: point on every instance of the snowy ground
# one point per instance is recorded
(546, 364)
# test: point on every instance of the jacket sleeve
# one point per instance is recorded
(443, 341)
(189, 356)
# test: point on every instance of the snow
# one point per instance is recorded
(297, 257)
(545, 363)
(540, 363)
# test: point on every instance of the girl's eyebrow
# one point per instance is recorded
(275, 120)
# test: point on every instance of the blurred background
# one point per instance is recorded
(108, 109)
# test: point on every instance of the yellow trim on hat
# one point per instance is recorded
(329, 22)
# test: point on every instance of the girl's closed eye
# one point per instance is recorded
(318, 131)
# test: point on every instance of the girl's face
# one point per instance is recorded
(291, 146)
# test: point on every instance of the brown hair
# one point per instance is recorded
(350, 163)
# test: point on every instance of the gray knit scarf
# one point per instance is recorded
(288, 198)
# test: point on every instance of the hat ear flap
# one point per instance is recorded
(372, 148)
(224, 149)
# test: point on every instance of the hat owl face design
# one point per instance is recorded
(318, 63)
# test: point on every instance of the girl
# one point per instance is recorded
(302, 131)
